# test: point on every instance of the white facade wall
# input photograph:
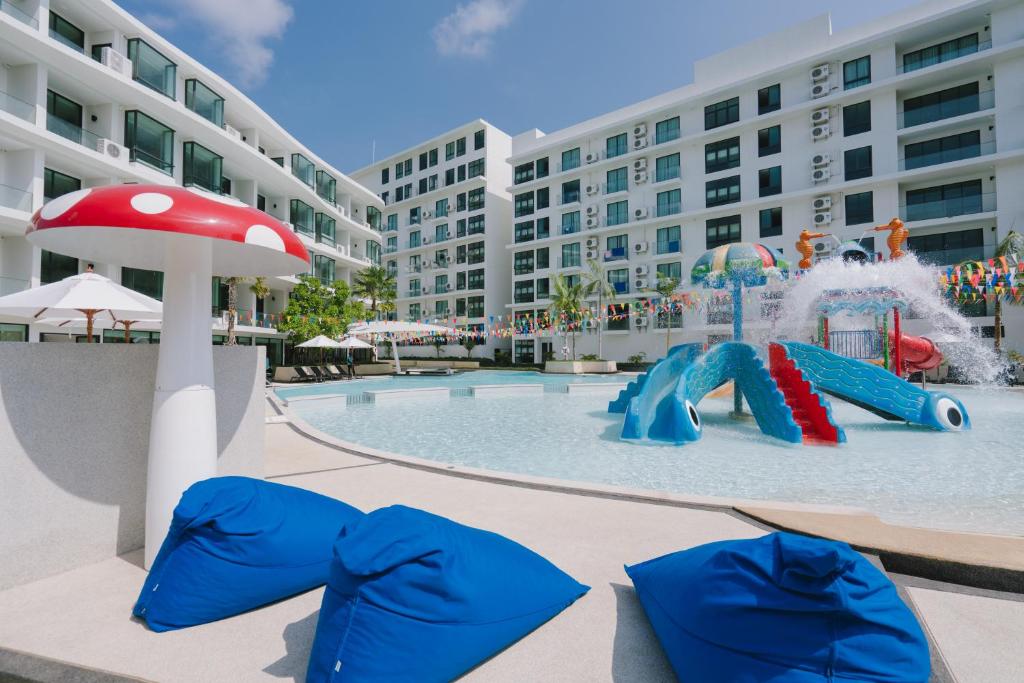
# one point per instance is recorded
(787, 59)
(35, 62)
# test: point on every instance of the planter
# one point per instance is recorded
(375, 369)
(579, 367)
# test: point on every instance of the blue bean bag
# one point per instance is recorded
(782, 607)
(417, 597)
(235, 544)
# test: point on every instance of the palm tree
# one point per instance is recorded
(596, 284)
(377, 285)
(1013, 243)
(258, 286)
(469, 344)
(567, 299)
(666, 286)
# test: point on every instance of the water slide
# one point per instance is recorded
(689, 353)
(919, 353)
(875, 389)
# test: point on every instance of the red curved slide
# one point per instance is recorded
(919, 353)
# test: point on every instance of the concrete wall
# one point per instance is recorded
(74, 433)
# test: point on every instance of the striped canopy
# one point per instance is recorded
(750, 264)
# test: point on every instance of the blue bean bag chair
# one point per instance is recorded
(782, 607)
(235, 544)
(417, 597)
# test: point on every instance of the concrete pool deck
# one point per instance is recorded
(77, 625)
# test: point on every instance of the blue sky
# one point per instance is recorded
(339, 74)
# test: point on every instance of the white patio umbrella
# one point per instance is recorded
(319, 342)
(87, 295)
(354, 343)
(390, 328)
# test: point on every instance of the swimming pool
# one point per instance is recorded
(968, 481)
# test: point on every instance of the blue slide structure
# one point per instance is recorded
(688, 353)
(876, 389)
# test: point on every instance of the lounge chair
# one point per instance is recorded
(304, 375)
(316, 372)
(330, 372)
(338, 371)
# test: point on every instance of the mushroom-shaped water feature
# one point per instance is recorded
(189, 235)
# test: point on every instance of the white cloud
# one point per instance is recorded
(239, 28)
(469, 30)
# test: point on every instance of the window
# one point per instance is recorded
(64, 117)
(441, 306)
(148, 282)
(857, 118)
(618, 319)
(723, 191)
(300, 215)
(616, 146)
(769, 99)
(422, 188)
(460, 304)
(858, 163)
(63, 31)
(327, 188)
(415, 240)
(571, 191)
(935, 54)
(475, 279)
(943, 150)
(543, 228)
(55, 267)
(860, 208)
(571, 159)
(543, 288)
(769, 181)
(97, 51)
(440, 232)
(225, 185)
(616, 181)
(475, 168)
(722, 113)
(441, 207)
(522, 263)
(770, 222)
(151, 68)
(542, 167)
(524, 204)
(433, 157)
(719, 231)
(524, 231)
(56, 184)
(944, 104)
(543, 198)
(570, 222)
(414, 215)
(399, 170)
(543, 258)
(479, 138)
(460, 147)
(571, 255)
(618, 212)
(200, 167)
(449, 151)
(475, 253)
(619, 280)
(721, 155)
(149, 141)
(11, 332)
(672, 270)
(462, 172)
(949, 247)
(460, 227)
(384, 173)
(475, 308)
(475, 199)
(475, 225)
(204, 102)
(856, 72)
(523, 173)
(666, 131)
(326, 229)
(669, 202)
(303, 169)
(666, 168)
(669, 240)
(954, 199)
(769, 141)
(392, 221)
(407, 166)
(449, 177)
(423, 161)
(523, 293)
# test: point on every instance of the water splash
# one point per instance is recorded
(917, 283)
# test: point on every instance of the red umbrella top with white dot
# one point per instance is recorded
(189, 235)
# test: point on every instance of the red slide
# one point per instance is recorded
(805, 403)
(919, 353)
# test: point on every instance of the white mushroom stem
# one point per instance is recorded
(183, 431)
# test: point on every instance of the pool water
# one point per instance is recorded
(907, 475)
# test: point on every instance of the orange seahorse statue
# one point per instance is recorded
(897, 236)
(804, 246)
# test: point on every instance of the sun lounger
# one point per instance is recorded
(304, 375)
(315, 372)
(330, 371)
(338, 371)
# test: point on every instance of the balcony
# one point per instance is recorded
(303, 169)
(71, 132)
(960, 106)
(951, 257)
(616, 254)
(569, 198)
(414, 292)
(391, 249)
(144, 157)
(620, 287)
(20, 108)
(946, 56)
(669, 247)
(948, 208)
(946, 156)
(12, 11)
(64, 40)
(13, 198)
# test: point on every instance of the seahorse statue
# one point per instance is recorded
(804, 246)
(897, 236)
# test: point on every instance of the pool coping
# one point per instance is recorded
(965, 558)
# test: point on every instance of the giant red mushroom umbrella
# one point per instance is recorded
(189, 235)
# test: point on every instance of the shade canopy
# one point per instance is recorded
(71, 297)
(319, 342)
(744, 262)
(136, 224)
(353, 343)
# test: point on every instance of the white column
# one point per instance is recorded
(183, 432)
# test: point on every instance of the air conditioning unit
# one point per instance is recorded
(639, 143)
(232, 131)
(640, 270)
(823, 218)
(426, 215)
(592, 189)
(820, 73)
(591, 254)
(641, 321)
(640, 177)
(592, 157)
(640, 130)
(819, 160)
(821, 175)
(112, 150)
(640, 164)
(822, 203)
(820, 132)
(448, 287)
(425, 290)
(448, 235)
(426, 240)
(819, 90)
(592, 242)
(819, 116)
(822, 251)
(593, 222)
(641, 213)
(592, 210)
(640, 248)
(116, 61)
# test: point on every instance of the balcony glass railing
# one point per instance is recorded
(942, 56)
(63, 40)
(18, 107)
(11, 10)
(947, 208)
(951, 257)
(620, 287)
(570, 197)
(390, 249)
(71, 132)
(668, 247)
(12, 285)
(946, 110)
(13, 198)
(946, 156)
(142, 156)
(616, 254)
(414, 292)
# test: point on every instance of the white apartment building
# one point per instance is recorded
(90, 96)
(919, 115)
(447, 219)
